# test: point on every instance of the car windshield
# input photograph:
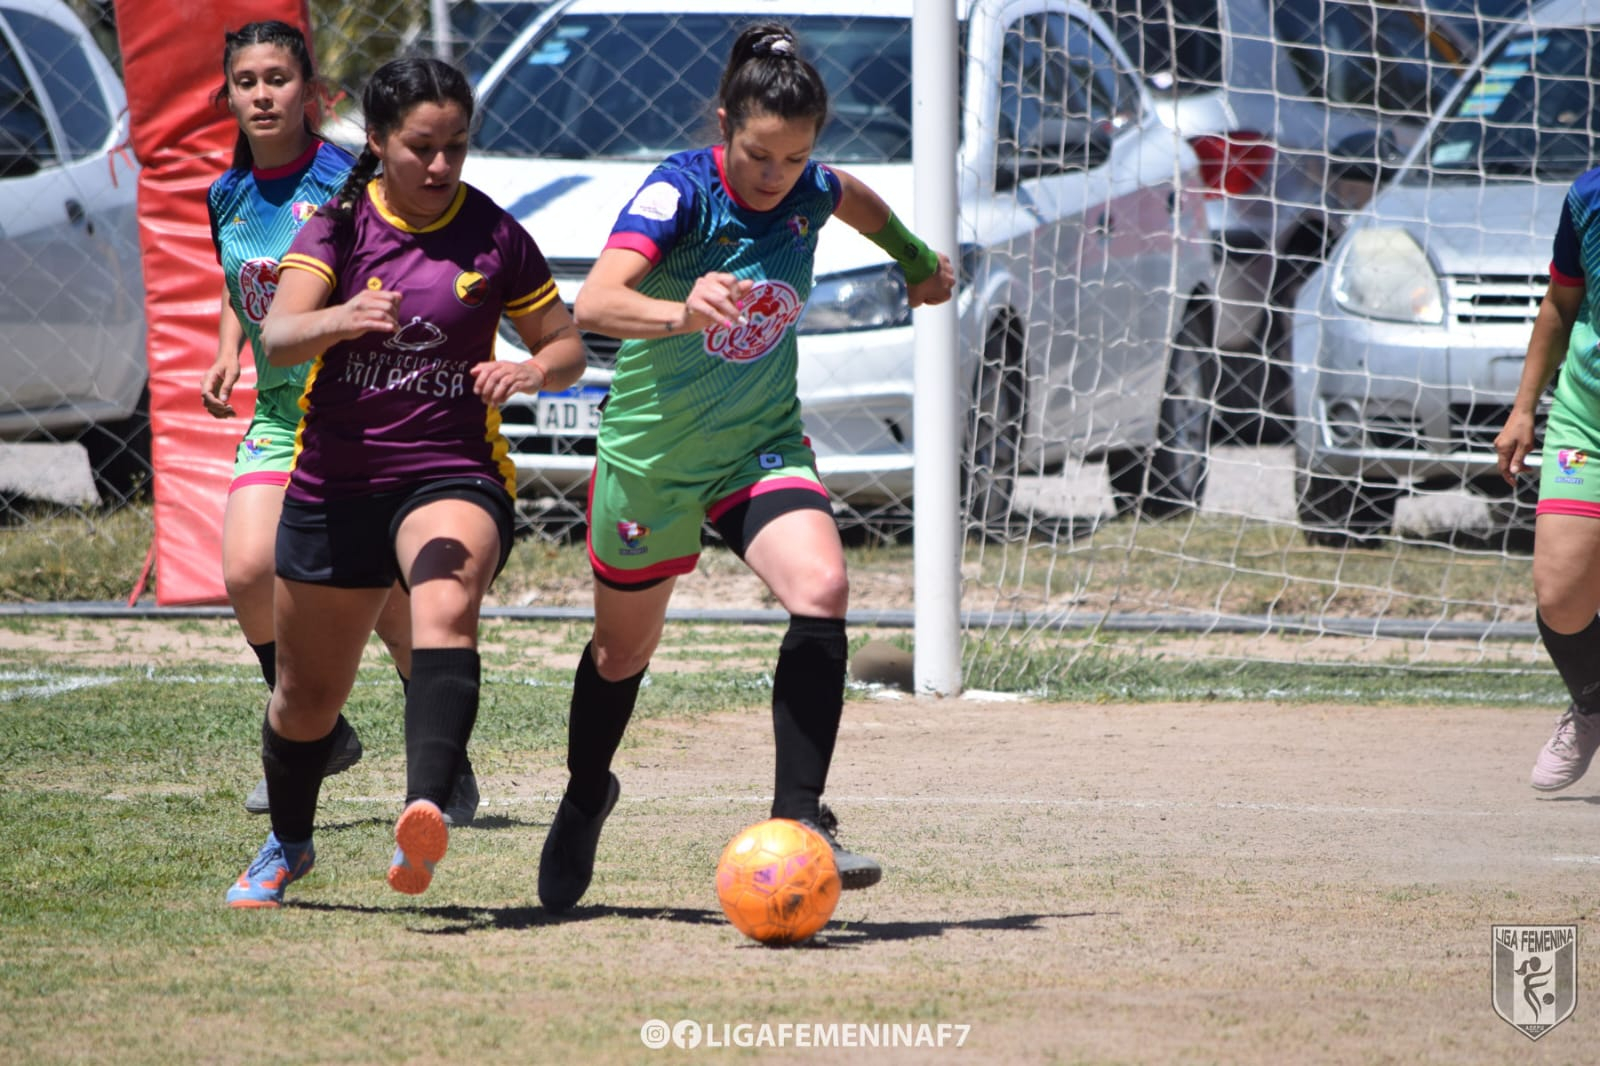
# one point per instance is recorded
(642, 86)
(1529, 111)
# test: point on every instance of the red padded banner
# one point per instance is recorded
(172, 67)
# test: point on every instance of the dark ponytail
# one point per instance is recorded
(269, 31)
(392, 91)
(767, 75)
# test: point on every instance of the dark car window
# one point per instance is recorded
(1176, 43)
(1113, 97)
(1529, 111)
(1368, 56)
(1033, 79)
(643, 85)
(483, 31)
(24, 137)
(80, 103)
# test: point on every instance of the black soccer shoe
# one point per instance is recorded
(855, 871)
(566, 864)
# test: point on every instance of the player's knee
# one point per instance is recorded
(1563, 604)
(617, 662)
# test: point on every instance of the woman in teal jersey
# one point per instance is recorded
(1566, 581)
(280, 175)
(704, 277)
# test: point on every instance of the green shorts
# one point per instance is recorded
(643, 527)
(1569, 475)
(267, 451)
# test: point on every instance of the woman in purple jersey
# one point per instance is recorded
(280, 170)
(760, 488)
(394, 293)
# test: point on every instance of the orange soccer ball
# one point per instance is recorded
(777, 882)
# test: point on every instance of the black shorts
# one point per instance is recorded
(349, 543)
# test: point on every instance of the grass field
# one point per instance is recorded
(1085, 878)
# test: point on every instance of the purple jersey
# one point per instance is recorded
(387, 410)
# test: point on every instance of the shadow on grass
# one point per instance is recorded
(851, 934)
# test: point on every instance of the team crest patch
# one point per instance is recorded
(1535, 976)
(471, 287)
(632, 535)
(302, 210)
(769, 310)
(255, 446)
(1570, 459)
(800, 226)
(258, 281)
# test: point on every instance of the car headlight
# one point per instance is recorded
(861, 299)
(1385, 274)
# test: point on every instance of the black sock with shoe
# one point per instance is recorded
(595, 723)
(441, 709)
(294, 777)
(267, 656)
(1577, 660)
(807, 703)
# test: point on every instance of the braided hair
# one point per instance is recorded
(390, 94)
(767, 75)
(267, 31)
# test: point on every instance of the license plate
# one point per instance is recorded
(573, 413)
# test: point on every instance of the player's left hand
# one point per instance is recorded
(936, 289)
(499, 380)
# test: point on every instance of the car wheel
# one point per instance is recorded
(994, 435)
(1171, 478)
(1339, 512)
(119, 455)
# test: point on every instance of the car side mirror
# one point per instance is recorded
(1053, 146)
(1371, 156)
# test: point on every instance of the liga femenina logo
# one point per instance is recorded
(1535, 975)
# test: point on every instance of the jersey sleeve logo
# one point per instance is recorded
(471, 287)
(657, 201)
(258, 281)
(770, 309)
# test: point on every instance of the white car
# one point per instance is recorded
(72, 355)
(1085, 307)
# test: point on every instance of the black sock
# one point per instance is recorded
(1577, 659)
(807, 702)
(267, 655)
(595, 724)
(441, 709)
(405, 682)
(294, 777)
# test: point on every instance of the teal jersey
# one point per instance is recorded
(689, 406)
(255, 215)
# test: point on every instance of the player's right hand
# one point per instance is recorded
(716, 300)
(369, 311)
(1513, 444)
(218, 386)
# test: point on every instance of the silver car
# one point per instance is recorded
(1274, 95)
(1409, 345)
(72, 355)
(1085, 310)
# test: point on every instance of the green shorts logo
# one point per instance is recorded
(1535, 975)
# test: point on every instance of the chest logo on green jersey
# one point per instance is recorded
(770, 310)
(258, 281)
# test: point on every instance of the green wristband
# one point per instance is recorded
(915, 258)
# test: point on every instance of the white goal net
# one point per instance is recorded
(1245, 287)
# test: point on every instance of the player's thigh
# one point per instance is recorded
(799, 556)
(1566, 570)
(449, 548)
(628, 625)
(321, 633)
(250, 530)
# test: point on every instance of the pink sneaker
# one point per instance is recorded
(1567, 753)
